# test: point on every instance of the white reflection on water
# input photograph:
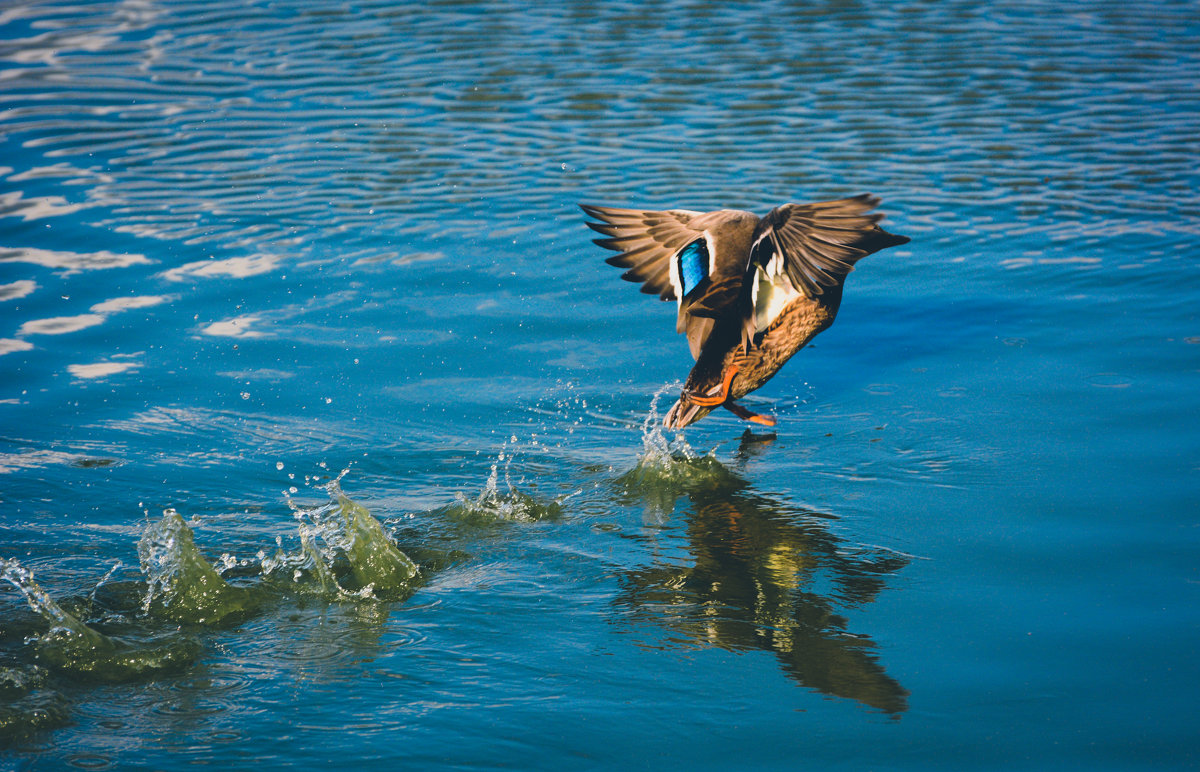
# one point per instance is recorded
(9, 345)
(261, 374)
(14, 204)
(100, 369)
(235, 267)
(1025, 262)
(237, 327)
(70, 262)
(124, 304)
(60, 325)
(17, 289)
(60, 170)
(35, 459)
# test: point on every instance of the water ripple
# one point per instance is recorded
(239, 234)
(299, 117)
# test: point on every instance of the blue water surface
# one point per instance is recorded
(248, 246)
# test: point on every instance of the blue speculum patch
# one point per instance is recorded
(693, 265)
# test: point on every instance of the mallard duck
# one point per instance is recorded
(750, 291)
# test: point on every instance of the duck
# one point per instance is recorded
(749, 291)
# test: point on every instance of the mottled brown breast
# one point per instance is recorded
(799, 323)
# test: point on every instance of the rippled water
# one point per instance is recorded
(250, 249)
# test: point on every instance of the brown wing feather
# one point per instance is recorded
(649, 240)
(646, 241)
(820, 243)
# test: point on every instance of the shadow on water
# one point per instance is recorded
(761, 575)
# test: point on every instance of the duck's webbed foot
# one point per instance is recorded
(722, 393)
(746, 415)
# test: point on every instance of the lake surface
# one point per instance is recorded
(300, 291)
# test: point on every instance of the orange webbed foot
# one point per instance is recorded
(720, 396)
(746, 415)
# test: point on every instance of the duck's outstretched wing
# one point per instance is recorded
(807, 249)
(668, 254)
(646, 240)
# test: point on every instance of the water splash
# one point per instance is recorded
(18, 681)
(182, 585)
(508, 504)
(344, 552)
(74, 647)
(64, 628)
(669, 467)
(379, 568)
(670, 461)
(659, 452)
(103, 580)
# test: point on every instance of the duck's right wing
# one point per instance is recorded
(805, 250)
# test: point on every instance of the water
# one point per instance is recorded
(311, 277)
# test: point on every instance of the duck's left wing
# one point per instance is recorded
(669, 253)
(646, 240)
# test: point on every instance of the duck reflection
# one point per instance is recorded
(765, 575)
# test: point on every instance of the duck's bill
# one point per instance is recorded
(685, 413)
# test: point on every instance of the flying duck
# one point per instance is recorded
(750, 291)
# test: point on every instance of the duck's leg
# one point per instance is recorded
(721, 395)
(746, 415)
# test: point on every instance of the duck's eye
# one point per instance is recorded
(692, 265)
